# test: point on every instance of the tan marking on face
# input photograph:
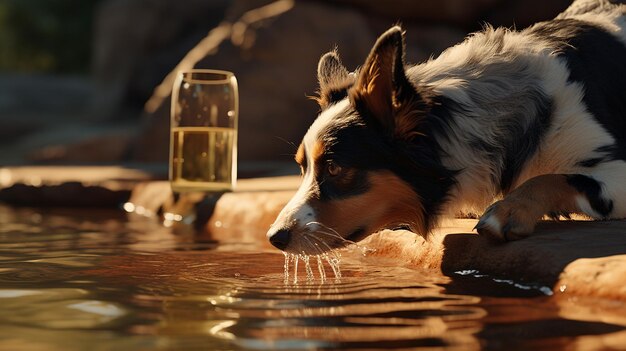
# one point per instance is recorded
(317, 151)
(300, 157)
(389, 201)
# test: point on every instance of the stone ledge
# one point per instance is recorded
(573, 258)
(71, 186)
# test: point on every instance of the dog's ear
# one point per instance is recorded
(382, 87)
(334, 79)
(330, 69)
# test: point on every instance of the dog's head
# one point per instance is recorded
(367, 161)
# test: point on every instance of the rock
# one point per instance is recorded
(464, 13)
(246, 217)
(87, 144)
(581, 255)
(108, 148)
(31, 103)
(273, 78)
(268, 194)
(136, 42)
(541, 258)
(48, 119)
(67, 194)
(467, 14)
(602, 276)
(74, 143)
(43, 186)
(521, 14)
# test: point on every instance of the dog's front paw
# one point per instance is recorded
(507, 220)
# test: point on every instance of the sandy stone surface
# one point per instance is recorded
(573, 257)
(601, 276)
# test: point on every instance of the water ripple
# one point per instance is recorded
(80, 280)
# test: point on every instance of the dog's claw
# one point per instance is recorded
(483, 229)
(482, 222)
(503, 224)
(480, 225)
(488, 233)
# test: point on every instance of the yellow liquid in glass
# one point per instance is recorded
(202, 159)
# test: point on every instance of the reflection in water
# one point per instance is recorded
(97, 280)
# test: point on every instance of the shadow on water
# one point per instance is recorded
(73, 280)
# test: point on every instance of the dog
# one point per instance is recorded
(534, 120)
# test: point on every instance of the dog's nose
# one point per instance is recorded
(281, 238)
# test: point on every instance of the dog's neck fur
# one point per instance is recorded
(491, 82)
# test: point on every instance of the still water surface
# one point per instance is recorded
(93, 280)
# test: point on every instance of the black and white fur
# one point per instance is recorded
(535, 119)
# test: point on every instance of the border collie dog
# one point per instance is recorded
(516, 125)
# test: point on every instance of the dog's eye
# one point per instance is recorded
(333, 169)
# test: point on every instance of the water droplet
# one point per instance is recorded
(334, 265)
(562, 288)
(295, 269)
(309, 272)
(286, 267)
(320, 268)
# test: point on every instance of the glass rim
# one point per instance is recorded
(187, 76)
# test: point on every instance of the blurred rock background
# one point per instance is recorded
(87, 82)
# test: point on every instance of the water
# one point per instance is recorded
(202, 158)
(94, 280)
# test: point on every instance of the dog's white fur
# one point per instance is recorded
(573, 135)
(297, 211)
